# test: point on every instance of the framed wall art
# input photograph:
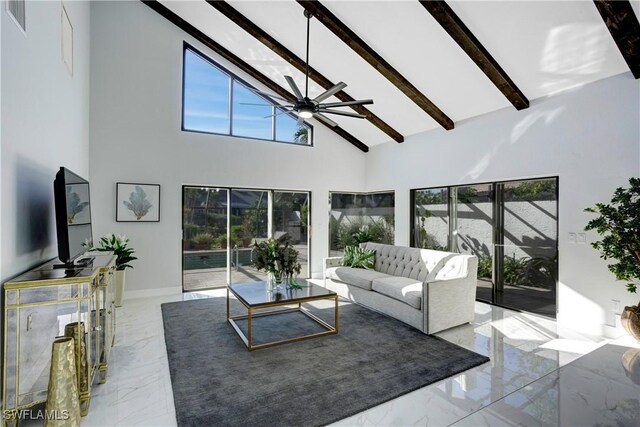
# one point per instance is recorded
(137, 202)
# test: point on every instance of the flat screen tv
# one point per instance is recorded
(73, 215)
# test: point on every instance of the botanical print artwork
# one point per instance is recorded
(77, 196)
(138, 202)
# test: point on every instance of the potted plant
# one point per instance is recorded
(619, 224)
(278, 258)
(202, 241)
(119, 245)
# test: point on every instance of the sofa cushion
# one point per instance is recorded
(402, 289)
(355, 276)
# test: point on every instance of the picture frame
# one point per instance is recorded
(137, 202)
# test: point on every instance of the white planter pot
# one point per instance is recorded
(119, 287)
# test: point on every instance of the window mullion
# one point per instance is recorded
(273, 122)
(231, 106)
(498, 242)
(453, 219)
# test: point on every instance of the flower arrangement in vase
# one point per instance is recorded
(279, 258)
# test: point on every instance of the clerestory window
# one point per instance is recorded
(216, 101)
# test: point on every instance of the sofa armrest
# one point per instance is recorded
(450, 302)
(328, 262)
(332, 261)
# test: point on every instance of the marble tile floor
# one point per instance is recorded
(522, 377)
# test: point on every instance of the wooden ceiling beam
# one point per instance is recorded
(351, 39)
(240, 63)
(624, 27)
(262, 36)
(461, 34)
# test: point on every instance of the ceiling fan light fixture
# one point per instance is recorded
(305, 113)
(306, 108)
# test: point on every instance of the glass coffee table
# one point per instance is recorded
(261, 300)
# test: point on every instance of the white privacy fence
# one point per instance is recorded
(530, 228)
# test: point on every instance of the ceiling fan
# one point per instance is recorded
(305, 107)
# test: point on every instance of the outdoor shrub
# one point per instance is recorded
(485, 267)
(203, 239)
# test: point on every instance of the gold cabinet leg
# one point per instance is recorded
(85, 401)
(102, 373)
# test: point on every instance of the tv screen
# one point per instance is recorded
(73, 214)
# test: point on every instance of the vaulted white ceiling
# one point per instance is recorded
(544, 46)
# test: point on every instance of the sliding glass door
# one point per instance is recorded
(473, 206)
(431, 218)
(528, 246)
(220, 226)
(291, 217)
(204, 237)
(249, 224)
(511, 226)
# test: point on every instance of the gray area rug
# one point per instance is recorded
(373, 359)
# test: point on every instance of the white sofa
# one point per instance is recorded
(429, 290)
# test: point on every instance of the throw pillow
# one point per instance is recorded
(357, 257)
(347, 258)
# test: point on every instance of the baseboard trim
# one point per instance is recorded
(150, 293)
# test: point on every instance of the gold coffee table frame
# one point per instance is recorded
(256, 310)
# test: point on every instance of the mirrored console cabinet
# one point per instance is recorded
(45, 303)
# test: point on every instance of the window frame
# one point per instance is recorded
(234, 78)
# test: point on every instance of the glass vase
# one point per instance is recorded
(275, 281)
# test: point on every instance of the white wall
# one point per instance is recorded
(136, 84)
(45, 125)
(589, 137)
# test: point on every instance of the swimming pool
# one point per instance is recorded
(215, 258)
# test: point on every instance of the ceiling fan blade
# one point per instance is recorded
(282, 111)
(337, 88)
(325, 119)
(347, 103)
(256, 105)
(342, 113)
(270, 95)
(294, 87)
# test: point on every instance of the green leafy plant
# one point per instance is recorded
(361, 231)
(485, 266)
(357, 257)
(221, 241)
(138, 203)
(278, 257)
(203, 239)
(301, 136)
(619, 224)
(74, 206)
(535, 272)
(119, 245)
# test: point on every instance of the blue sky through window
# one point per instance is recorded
(249, 120)
(207, 94)
(286, 127)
